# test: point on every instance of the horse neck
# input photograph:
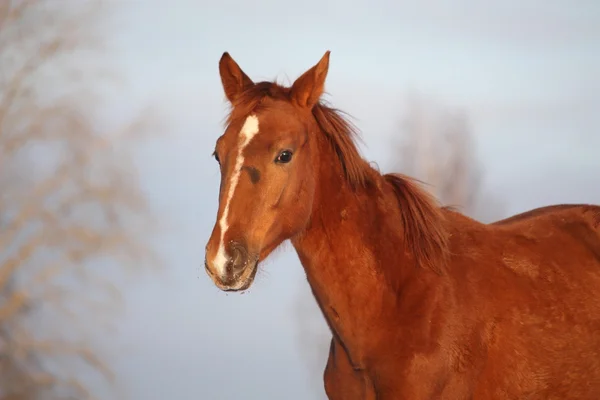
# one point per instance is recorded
(352, 251)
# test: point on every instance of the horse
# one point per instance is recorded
(423, 302)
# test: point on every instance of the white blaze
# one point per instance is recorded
(249, 130)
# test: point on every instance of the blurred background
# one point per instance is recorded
(109, 111)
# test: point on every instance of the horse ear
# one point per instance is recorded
(308, 88)
(234, 80)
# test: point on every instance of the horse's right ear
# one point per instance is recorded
(307, 89)
(234, 80)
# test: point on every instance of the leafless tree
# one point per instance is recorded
(72, 212)
(436, 146)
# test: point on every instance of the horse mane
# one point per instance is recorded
(340, 133)
(423, 220)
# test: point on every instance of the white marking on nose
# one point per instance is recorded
(249, 130)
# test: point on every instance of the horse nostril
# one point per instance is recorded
(238, 258)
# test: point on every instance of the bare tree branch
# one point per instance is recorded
(73, 218)
(439, 148)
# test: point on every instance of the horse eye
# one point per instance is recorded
(284, 157)
(216, 156)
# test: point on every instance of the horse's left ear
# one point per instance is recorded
(234, 80)
(308, 88)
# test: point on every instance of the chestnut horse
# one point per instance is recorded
(423, 302)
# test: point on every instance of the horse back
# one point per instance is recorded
(535, 280)
(554, 225)
(587, 212)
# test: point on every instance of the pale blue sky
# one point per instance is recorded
(526, 73)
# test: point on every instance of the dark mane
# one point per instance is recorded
(340, 133)
(425, 232)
